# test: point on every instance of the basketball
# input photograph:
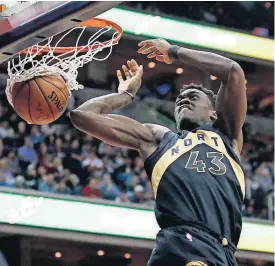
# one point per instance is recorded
(40, 100)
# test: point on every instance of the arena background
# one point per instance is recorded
(68, 199)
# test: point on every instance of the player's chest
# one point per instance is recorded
(198, 155)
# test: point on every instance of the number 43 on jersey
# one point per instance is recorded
(217, 167)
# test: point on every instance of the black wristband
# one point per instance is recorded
(173, 52)
(130, 94)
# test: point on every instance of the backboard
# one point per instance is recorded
(30, 22)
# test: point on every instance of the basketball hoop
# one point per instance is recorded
(64, 61)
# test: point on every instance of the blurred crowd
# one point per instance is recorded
(57, 158)
(258, 164)
(259, 16)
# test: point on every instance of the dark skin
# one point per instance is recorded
(193, 108)
(94, 116)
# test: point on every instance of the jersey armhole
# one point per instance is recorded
(167, 137)
(227, 141)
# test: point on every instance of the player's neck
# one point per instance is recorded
(188, 125)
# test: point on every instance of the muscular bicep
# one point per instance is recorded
(231, 104)
(116, 130)
(158, 131)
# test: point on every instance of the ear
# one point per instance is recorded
(213, 115)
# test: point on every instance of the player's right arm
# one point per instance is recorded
(95, 117)
(231, 103)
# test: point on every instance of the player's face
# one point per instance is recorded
(193, 107)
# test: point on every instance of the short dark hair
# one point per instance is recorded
(210, 94)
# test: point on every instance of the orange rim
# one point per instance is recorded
(93, 23)
(2, 7)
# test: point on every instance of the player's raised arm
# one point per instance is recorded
(231, 102)
(94, 116)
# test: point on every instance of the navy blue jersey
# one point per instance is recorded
(197, 178)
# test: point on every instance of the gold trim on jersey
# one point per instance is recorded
(182, 146)
(196, 263)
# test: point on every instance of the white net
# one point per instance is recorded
(31, 65)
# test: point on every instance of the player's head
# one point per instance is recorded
(194, 106)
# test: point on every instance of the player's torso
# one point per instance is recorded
(197, 178)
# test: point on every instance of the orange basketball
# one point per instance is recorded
(40, 100)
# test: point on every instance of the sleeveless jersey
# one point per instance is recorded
(198, 179)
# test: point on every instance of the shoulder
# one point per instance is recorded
(158, 131)
(235, 143)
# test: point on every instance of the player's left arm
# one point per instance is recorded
(231, 102)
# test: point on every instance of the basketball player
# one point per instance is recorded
(196, 173)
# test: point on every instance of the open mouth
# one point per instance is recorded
(185, 107)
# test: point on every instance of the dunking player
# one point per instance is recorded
(196, 173)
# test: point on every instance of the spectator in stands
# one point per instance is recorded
(123, 177)
(20, 181)
(58, 165)
(148, 191)
(13, 163)
(27, 153)
(249, 211)
(43, 151)
(21, 133)
(138, 195)
(106, 149)
(132, 182)
(48, 130)
(66, 173)
(143, 178)
(75, 157)
(61, 187)
(41, 171)
(47, 183)
(138, 165)
(259, 201)
(122, 198)
(74, 184)
(59, 150)
(6, 177)
(108, 189)
(263, 177)
(245, 162)
(263, 214)
(92, 162)
(109, 165)
(86, 148)
(118, 160)
(92, 190)
(36, 136)
(68, 139)
(5, 130)
(31, 176)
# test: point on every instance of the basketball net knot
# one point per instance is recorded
(35, 62)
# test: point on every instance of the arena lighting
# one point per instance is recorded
(127, 256)
(151, 64)
(179, 70)
(194, 34)
(58, 255)
(100, 253)
(213, 77)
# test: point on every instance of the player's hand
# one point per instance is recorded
(156, 48)
(133, 74)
